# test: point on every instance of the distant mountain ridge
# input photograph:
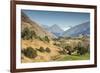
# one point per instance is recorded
(32, 25)
(55, 29)
(81, 29)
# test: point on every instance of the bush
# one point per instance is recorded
(27, 34)
(48, 50)
(54, 44)
(40, 38)
(47, 39)
(41, 49)
(57, 44)
(62, 52)
(29, 52)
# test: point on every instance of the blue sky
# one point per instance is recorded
(62, 19)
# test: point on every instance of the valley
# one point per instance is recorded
(42, 45)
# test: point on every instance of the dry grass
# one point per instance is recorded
(54, 55)
(41, 56)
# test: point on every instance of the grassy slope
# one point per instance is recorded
(42, 57)
(74, 57)
(53, 56)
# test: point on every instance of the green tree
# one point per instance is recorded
(81, 50)
(69, 50)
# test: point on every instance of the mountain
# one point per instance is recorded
(32, 25)
(81, 29)
(45, 27)
(55, 29)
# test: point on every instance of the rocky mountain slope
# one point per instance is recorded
(81, 29)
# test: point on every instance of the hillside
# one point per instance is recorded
(39, 40)
(32, 25)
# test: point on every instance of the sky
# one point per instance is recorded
(64, 20)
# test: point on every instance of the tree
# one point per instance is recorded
(81, 50)
(68, 48)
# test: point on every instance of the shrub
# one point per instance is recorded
(48, 50)
(47, 39)
(54, 44)
(62, 52)
(57, 44)
(40, 38)
(24, 32)
(43, 38)
(41, 49)
(30, 52)
(36, 48)
(28, 34)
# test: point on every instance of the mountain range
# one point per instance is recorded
(81, 29)
(55, 29)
